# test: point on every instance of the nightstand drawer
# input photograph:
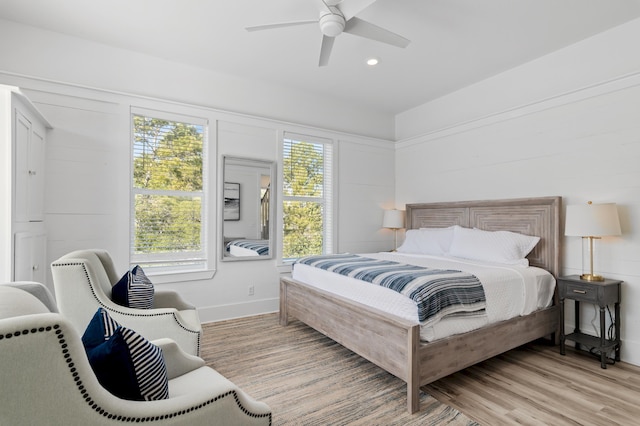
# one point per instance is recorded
(584, 293)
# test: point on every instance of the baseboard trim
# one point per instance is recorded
(238, 310)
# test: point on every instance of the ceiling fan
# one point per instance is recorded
(338, 16)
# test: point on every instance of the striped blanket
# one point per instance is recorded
(436, 292)
(259, 246)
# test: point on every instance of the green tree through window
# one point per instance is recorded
(306, 193)
(168, 192)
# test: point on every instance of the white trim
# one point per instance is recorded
(169, 115)
(178, 277)
(223, 114)
(238, 310)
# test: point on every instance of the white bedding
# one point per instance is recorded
(245, 247)
(510, 291)
(241, 251)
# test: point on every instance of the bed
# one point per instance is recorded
(394, 343)
(250, 248)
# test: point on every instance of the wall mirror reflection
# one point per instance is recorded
(247, 208)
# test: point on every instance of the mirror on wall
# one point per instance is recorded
(247, 209)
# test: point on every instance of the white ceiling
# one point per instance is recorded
(454, 43)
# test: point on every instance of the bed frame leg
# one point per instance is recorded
(413, 399)
(284, 315)
(413, 374)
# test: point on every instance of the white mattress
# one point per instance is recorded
(242, 251)
(510, 291)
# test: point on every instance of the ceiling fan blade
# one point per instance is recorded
(325, 50)
(323, 5)
(365, 29)
(279, 25)
(351, 8)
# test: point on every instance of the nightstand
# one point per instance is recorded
(600, 293)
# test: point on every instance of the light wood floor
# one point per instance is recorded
(535, 385)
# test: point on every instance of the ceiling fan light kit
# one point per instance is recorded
(332, 24)
(337, 17)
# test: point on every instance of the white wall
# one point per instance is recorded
(86, 90)
(364, 173)
(88, 177)
(566, 124)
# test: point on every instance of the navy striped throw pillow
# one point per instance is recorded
(100, 329)
(125, 363)
(134, 290)
(148, 365)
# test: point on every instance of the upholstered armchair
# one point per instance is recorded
(46, 378)
(83, 281)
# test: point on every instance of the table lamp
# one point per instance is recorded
(393, 219)
(592, 221)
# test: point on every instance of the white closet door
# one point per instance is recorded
(36, 176)
(22, 177)
(30, 257)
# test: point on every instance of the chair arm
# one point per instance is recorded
(38, 290)
(44, 358)
(170, 299)
(178, 362)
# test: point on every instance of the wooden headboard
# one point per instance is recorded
(530, 216)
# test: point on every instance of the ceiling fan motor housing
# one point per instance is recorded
(332, 24)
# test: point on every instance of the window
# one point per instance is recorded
(307, 195)
(168, 218)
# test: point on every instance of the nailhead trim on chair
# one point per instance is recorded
(98, 409)
(86, 273)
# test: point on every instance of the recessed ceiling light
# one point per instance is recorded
(372, 62)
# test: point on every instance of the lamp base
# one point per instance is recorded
(591, 277)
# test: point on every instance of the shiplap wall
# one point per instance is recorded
(582, 144)
(88, 177)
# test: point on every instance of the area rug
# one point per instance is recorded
(308, 379)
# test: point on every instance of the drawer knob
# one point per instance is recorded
(580, 291)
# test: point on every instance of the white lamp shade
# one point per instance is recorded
(393, 219)
(592, 220)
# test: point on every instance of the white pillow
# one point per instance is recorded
(492, 246)
(433, 241)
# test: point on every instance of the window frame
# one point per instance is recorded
(207, 253)
(329, 200)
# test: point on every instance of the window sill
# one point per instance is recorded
(178, 277)
(284, 268)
